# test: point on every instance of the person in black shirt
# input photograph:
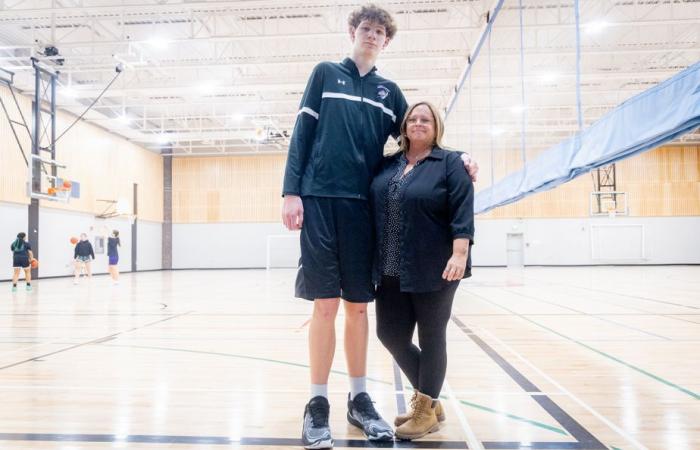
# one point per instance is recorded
(423, 205)
(113, 243)
(21, 259)
(346, 115)
(83, 254)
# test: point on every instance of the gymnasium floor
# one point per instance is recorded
(548, 358)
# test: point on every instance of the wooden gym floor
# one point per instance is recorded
(539, 358)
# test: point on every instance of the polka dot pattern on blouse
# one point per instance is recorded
(394, 220)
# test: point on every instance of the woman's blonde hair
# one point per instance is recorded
(439, 126)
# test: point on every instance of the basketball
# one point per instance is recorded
(74, 240)
(52, 191)
(34, 263)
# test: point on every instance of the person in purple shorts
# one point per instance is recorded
(113, 254)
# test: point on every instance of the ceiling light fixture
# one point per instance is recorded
(158, 43)
(68, 91)
(549, 77)
(596, 26)
(206, 87)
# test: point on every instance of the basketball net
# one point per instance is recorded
(63, 193)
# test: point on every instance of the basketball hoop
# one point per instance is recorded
(608, 203)
(63, 194)
(612, 210)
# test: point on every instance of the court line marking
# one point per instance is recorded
(648, 299)
(91, 341)
(219, 440)
(677, 387)
(119, 441)
(583, 313)
(472, 442)
(516, 417)
(26, 348)
(291, 391)
(581, 403)
(337, 372)
(398, 385)
(575, 429)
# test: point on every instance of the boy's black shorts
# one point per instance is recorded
(337, 244)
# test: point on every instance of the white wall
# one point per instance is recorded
(232, 245)
(592, 241)
(13, 219)
(150, 245)
(623, 240)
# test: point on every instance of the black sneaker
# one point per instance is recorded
(316, 433)
(362, 414)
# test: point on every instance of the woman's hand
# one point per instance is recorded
(456, 265)
(470, 165)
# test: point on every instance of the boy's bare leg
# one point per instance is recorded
(361, 411)
(356, 336)
(322, 339)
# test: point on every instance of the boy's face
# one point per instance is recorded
(369, 38)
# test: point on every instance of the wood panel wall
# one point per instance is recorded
(661, 182)
(105, 165)
(227, 189)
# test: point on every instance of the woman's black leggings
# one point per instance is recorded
(398, 313)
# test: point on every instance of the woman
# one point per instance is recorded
(422, 200)
(21, 259)
(82, 254)
(113, 255)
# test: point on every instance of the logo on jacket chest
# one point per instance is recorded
(382, 92)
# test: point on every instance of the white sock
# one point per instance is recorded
(357, 386)
(319, 389)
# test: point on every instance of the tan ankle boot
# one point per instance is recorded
(423, 420)
(403, 418)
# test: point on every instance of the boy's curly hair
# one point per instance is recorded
(373, 13)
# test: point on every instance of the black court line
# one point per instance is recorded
(92, 341)
(583, 437)
(281, 442)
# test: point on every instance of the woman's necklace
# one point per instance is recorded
(413, 161)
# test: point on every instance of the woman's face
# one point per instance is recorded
(420, 126)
